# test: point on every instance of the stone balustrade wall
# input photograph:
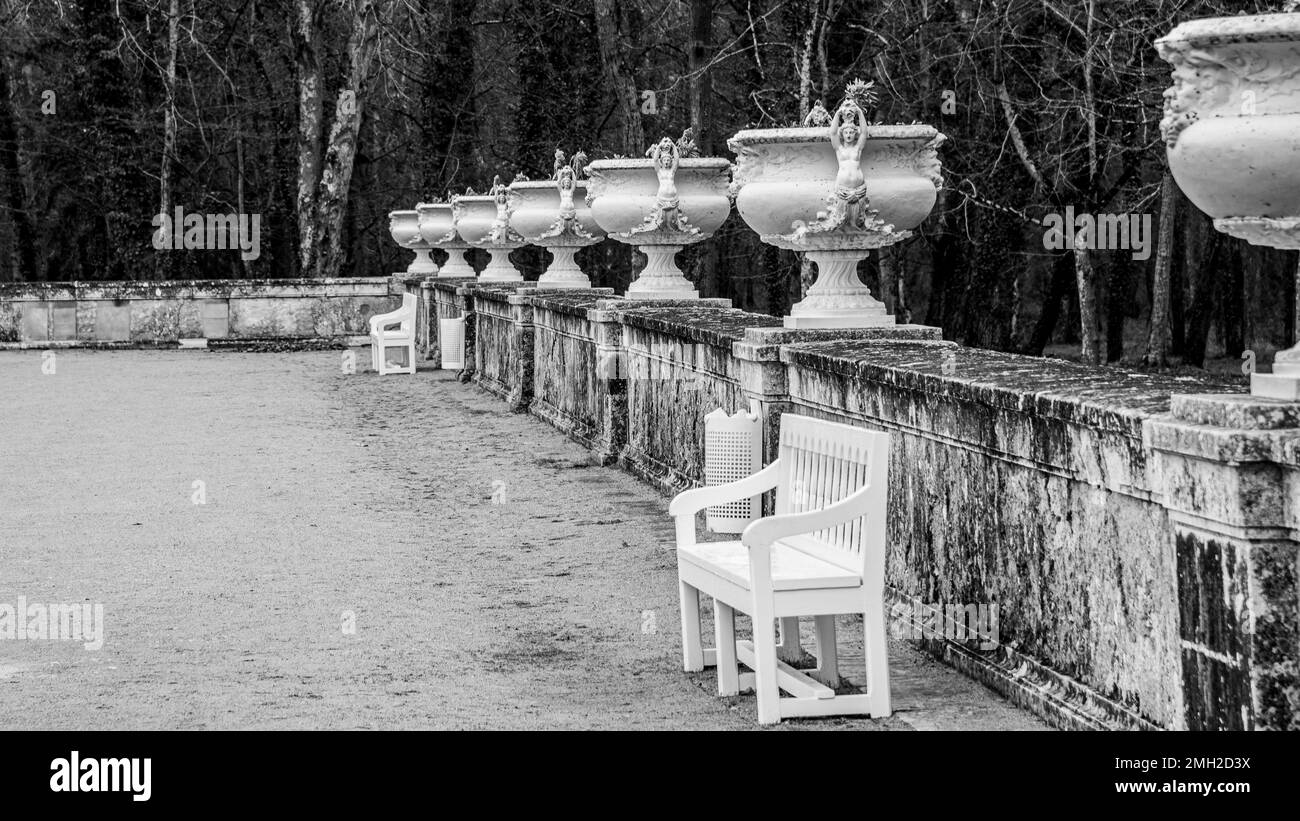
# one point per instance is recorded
(1139, 538)
(66, 314)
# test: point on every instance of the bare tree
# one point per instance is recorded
(614, 58)
(1158, 335)
(308, 48)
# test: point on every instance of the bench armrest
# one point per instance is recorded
(689, 502)
(769, 529)
(686, 504)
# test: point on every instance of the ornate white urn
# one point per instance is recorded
(404, 226)
(438, 230)
(553, 214)
(836, 188)
(660, 205)
(484, 222)
(1232, 132)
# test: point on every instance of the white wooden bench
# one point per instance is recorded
(821, 554)
(382, 337)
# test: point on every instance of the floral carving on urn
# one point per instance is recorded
(660, 205)
(1232, 133)
(837, 187)
(404, 227)
(439, 231)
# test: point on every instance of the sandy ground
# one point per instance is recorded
(497, 578)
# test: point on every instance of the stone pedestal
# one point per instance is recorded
(1229, 468)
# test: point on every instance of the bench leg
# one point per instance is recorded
(828, 664)
(692, 651)
(789, 650)
(724, 628)
(877, 657)
(769, 694)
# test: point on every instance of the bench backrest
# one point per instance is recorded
(822, 463)
(405, 315)
(407, 312)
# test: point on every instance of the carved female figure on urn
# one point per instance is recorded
(848, 138)
(666, 160)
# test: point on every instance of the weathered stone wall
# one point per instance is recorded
(503, 340)
(576, 386)
(80, 313)
(1023, 482)
(1140, 541)
(679, 367)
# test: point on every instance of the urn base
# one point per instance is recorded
(563, 272)
(423, 263)
(845, 319)
(661, 278)
(838, 299)
(456, 265)
(499, 268)
(691, 293)
(1284, 382)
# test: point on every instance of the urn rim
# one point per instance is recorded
(533, 184)
(707, 163)
(821, 133)
(1250, 28)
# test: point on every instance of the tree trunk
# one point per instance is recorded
(11, 181)
(1058, 288)
(336, 173)
(1158, 334)
(311, 110)
(1089, 320)
(613, 58)
(1295, 311)
(1118, 274)
(164, 264)
(700, 88)
(1202, 274)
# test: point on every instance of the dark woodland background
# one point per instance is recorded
(324, 115)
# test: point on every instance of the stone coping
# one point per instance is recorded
(571, 301)
(718, 325)
(1106, 399)
(764, 343)
(195, 288)
(1237, 411)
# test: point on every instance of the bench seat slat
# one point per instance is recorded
(791, 569)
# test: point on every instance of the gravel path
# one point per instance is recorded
(497, 579)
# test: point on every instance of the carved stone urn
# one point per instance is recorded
(1232, 132)
(554, 214)
(404, 226)
(438, 230)
(836, 188)
(484, 222)
(660, 205)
